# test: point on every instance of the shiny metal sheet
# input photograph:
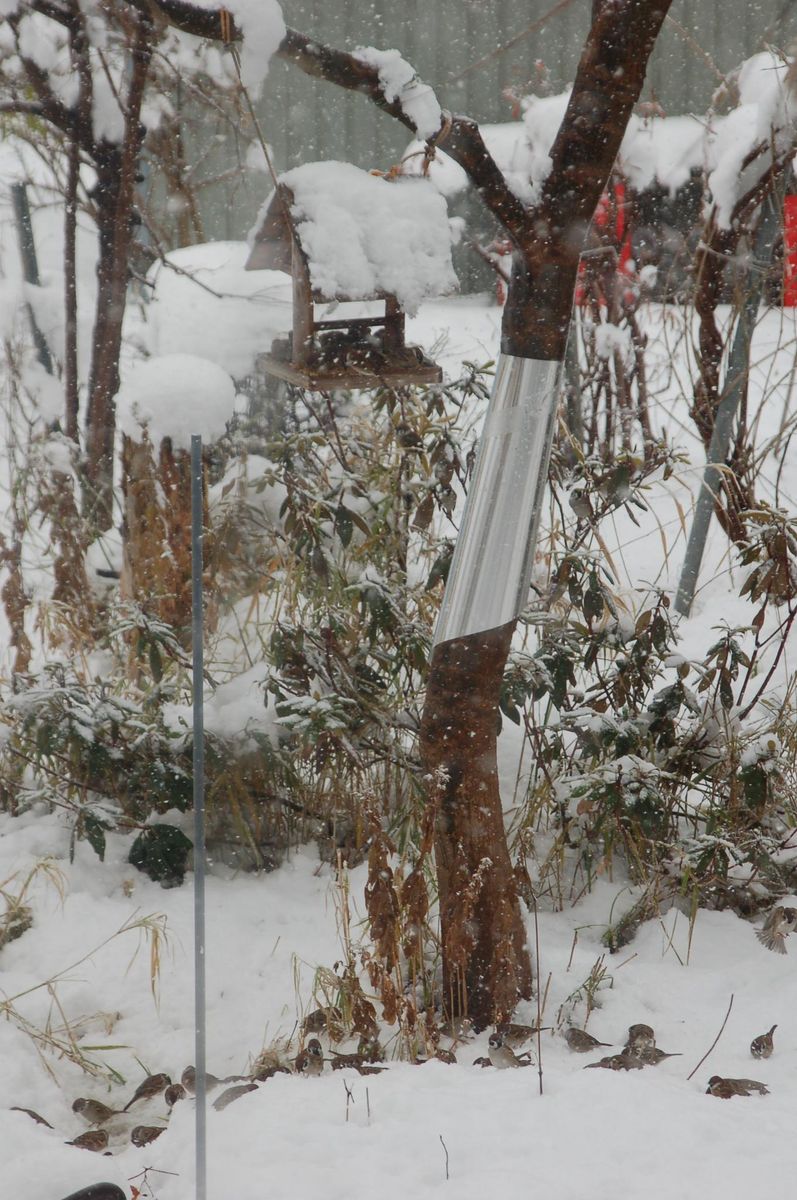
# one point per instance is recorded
(488, 582)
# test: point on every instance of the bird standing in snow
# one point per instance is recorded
(153, 1085)
(582, 1042)
(310, 1061)
(94, 1111)
(763, 1045)
(502, 1055)
(726, 1089)
(92, 1139)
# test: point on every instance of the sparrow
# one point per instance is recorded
(442, 1055)
(459, 1029)
(639, 1037)
(34, 1116)
(92, 1139)
(94, 1111)
(725, 1089)
(618, 1062)
(233, 1093)
(763, 1045)
(188, 1080)
(778, 925)
(517, 1035)
(651, 1056)
(319, 1019)
(268, 1073)
(142, 1135)
(580, 503)
(481, 1061)
(370, 1049)
(153, 1085)
(582, 1042)
(173, 1093)
(502, 1055)
(310, 1061)
(357, 1062)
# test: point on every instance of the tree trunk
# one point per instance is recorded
(114, 195)
(487, 964)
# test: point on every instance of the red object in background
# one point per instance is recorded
(611, 211)
(790, 252)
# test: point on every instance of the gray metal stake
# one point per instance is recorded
(736, 375)
(199, 813)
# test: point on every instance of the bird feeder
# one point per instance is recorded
(327, 351)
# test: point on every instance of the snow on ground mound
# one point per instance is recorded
(205, 303)
(175, 396)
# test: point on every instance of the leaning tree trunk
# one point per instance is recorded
(487, 964)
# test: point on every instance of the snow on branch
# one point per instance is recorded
(401, 85)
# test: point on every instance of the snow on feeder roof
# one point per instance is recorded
(346, 235)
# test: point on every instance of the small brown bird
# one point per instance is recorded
(355, 1061)
(445, 1056)
(763, 1045)
(188, 1080)
(778, 925)
(94, 1111)
(651, 1056)
(582, 1042)
(268, 1073)
(230, 1094)
(34, 1116)
(459, 1029)
(142, 1135)
(153, 1085)
(726, 1089)
(517, 1035)
(320, 1019)
(310, 1061)
(502, 1055)
(370, 1049)
(92, 1139)
(640, 1036)
(173, 1093)
(618, 1062)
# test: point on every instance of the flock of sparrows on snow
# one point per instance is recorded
(505, 1051)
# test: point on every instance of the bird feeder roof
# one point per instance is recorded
(361, 236)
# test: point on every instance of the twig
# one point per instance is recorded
(349, 1099)
(572, 951)
(368, 1105)
(539, 997)
(716, 1039)
(445, 1151)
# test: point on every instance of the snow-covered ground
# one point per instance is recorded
(597, 1133)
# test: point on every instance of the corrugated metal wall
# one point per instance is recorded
(304, 119)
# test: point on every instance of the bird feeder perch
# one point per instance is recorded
(357, 351)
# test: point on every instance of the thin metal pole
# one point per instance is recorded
(199, 813)
(736, 380)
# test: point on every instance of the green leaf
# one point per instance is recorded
(155, 662)
(343, 525)
(95, 834)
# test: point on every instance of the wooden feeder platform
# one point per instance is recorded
(321, 355)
